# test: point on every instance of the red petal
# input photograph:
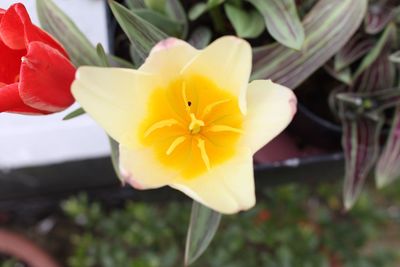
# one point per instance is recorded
(12, 29)
(17, 30)
(10, 63)
(2, 11)
(46, 78)
(10, 101)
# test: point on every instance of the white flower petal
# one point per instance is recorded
(115, 98)
(168, 58)
(271, 107)
(227, 62)
(226, 188)
(140, 168)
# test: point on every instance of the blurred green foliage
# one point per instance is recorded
(10, 263)
(287, 228)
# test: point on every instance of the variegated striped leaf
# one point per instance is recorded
(282, 21)
(328, 26)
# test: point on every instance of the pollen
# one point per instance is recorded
(192, 125)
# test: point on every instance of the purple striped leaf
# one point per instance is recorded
(328, 27)
(388, 167)
(370, 103)
(386, 39)
(360, 143)
(282, 21)
(380, 75)
(343, 75)
(356, 48)
(361, 112)
(395, 57)
(378, 16)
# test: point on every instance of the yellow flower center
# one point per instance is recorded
(192, 125)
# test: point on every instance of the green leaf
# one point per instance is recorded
(203, 225)
(156, 5)
(102, 56)
(134, 4)
(54, 21)
(328, 27)
(74, 114)
(142, 34)
(120, 62)
(200, 8)
(172, 21)
(214, 3)
(386, 37)
(197, 10)
(175, 11)
(282, 21)
(114, 145)
(110, 60)
(136, 57)
(165, 24)
(200, 37)
(246, 24)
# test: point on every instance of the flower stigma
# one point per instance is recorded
(195, 124)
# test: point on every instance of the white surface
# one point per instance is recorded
(41, 140)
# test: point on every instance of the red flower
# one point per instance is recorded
(35, 71)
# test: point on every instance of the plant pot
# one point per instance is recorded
(20, 248)
(312, 129)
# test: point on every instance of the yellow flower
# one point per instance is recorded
(188, 118)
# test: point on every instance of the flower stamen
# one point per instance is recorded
(203, 153)
(211, 106)
(185, 100)
(224, 128)
(175, 143)
(159, 125)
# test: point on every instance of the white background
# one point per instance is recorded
(41, 140)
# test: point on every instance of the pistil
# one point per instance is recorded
(195, 124)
